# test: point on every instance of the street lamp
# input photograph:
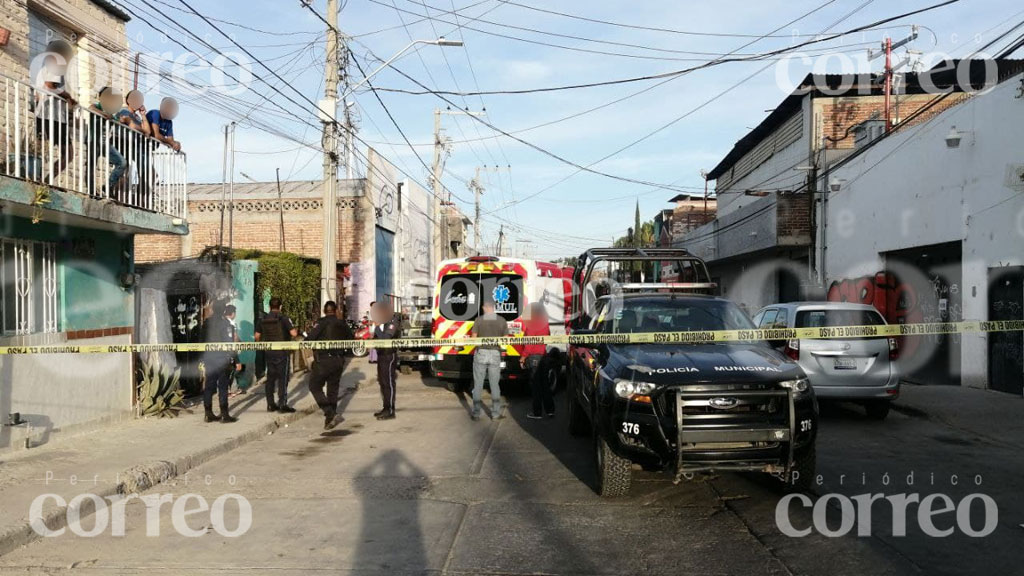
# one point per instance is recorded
(441, 41)
(328, 111)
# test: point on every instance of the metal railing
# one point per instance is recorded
(45, 140)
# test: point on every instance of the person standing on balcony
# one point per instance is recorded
(133, 114)
(101, 144)
(54, 104)
(162, 123)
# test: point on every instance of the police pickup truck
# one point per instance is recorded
(687, 407)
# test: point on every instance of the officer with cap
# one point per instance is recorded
(328, 364)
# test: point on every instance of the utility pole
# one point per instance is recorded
(440, 213)
(442, 243)
(328, 109)
(887, 47)
(478, 191)
(280, 209)
(223, 197)
(231, 193)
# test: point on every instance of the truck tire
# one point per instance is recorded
(614, 474)
(877, 409)
(578, 425)
(804, 469)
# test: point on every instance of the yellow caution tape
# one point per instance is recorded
(705, 336)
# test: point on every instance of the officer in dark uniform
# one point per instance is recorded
(328, 364)
(220, 366)
(276, 327)
(386, 326)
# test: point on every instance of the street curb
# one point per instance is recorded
(145, 476)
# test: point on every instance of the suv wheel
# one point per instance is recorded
(878, 409)
(614, 474)
(803, 469)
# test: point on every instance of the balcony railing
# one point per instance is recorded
(46, 141)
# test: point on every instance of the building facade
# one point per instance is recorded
(928, 225)
(66, 237)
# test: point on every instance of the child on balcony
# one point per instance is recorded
(100, 145)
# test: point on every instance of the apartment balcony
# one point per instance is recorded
(56, 162)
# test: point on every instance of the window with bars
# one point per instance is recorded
(28, 287)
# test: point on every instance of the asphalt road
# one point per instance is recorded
(434, 492)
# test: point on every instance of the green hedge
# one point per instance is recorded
(292, 278)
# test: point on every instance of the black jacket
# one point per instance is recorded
(330, 328)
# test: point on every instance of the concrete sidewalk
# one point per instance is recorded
(995, 416)
(133, 456)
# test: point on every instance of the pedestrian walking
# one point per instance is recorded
(276, 327)
(385, 328)
(538, 363)
(487, 360)
(328, 364)
(220, 365)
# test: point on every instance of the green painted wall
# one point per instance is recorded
(243, 278)
(90, 264)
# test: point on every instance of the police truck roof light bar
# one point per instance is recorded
(671, 286)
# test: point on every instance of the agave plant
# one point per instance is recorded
(160, 393)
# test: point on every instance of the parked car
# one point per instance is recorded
(862, 370)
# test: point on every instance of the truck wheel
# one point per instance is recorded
(405, 369)
(614, 474)
(803, 470)
(878, 409)
(577, 419)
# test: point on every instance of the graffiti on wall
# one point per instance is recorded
(897, 301)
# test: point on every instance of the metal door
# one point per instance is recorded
(1006, 349)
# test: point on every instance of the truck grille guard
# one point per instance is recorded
(713, 427)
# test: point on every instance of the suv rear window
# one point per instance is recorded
(837, 317)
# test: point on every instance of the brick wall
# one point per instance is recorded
(257, 227)
(793, 219)
(839, 115)
(14, 56)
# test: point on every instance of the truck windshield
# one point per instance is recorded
(461, 295)
(670, 315)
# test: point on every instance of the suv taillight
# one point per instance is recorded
(894, 348)
(792, 349)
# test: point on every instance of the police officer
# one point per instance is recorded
(220, 366)
(276, 327)
(328, 364)
(386, 327)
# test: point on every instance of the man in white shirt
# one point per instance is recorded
(54, 104)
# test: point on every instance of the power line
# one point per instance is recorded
(653, 28)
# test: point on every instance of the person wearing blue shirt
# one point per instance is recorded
(161, 123)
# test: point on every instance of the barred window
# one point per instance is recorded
(28, 287)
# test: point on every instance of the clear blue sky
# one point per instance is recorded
(710, 108)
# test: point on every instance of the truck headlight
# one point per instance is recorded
(800, 386)
(629, 388)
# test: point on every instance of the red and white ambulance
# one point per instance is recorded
(513, 284)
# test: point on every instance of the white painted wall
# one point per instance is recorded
(62, 393)
(911, 190)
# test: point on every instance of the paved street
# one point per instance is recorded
(433, 492)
